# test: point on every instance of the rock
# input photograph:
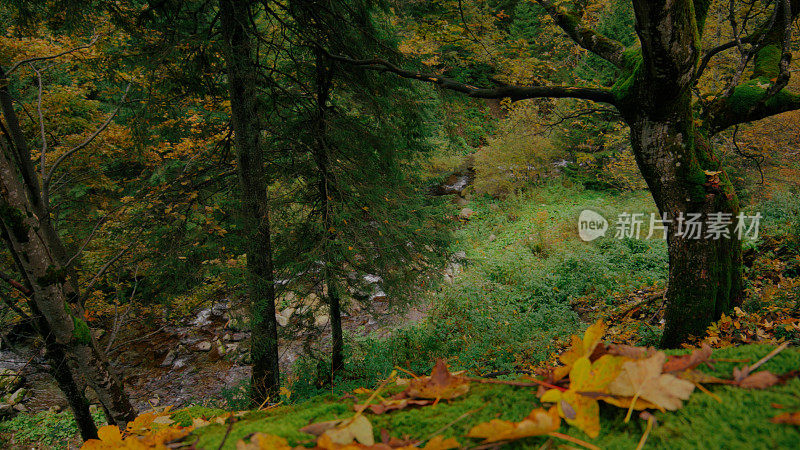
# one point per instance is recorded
(453, 269)
(203, 318)
(284, 316)
(19, 407)
(218, 309)
(9, 381)
(321, 320)
(170, 358)
(466, 214)
(238, 337)
(231, 348)
(461, 201)
(16, 397)
(203, 346)
(492, 238)
(6, 410)
(449, 279)
(378, 296)
(179, 364)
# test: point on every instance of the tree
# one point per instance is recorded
(672, 127)
(247, 112)
(49, 279)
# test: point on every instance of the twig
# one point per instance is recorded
(650, 421)
(769, 356)
(574, 440)
(459, 419)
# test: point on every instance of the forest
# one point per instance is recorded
(399, 224)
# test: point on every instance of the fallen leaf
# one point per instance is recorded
(690, 361)
(538, 422)
(643, 379)
(357, 429)
(393, 405)
(629, 351)
(787, 418)
(441, 384)
(318, 428)
(759, 380)
(261, 441)
(580, 347)
(440, 443)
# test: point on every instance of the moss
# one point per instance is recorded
(183, 417)
(81, 331)
(740, 421)
(52, 276)
(767, 62)
(14, 220)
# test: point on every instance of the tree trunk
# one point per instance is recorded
(337, 350)
(39, 255)
(246, 114)
(705, 275)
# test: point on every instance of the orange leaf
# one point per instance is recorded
(539, 422)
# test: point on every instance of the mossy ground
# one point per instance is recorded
(741, 420)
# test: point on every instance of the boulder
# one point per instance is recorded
(321, 320)
(170, 358)
(10, 381)
(203, 346)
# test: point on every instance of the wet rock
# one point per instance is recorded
(203, 346)
(203, 318)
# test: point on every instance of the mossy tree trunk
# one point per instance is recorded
(246, 116)
(671, 129)
(50, 284)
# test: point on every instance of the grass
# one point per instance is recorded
(42, 430)
(741, 420)
(512, 305)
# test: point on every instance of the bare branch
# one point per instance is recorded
(58, 55)
(514, 93)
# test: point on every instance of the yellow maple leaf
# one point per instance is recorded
(643, 379)
(580, 347)
(538, 422)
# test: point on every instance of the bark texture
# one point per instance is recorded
(246, 116)
(40, 258)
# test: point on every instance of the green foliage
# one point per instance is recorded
(46, 429)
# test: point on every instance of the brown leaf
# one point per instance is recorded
(690, 361)
(440, 385)
(759, 380)
(787, 418)
(643, 379)
(320, 427)
(629, 351)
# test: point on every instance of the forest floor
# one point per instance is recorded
(527, 283)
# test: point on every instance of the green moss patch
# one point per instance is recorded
(741, 420)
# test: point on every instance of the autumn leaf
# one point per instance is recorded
(440, 443)
(580, 347)
(109, 436)
(578, 405)
(261, 441)
(538, 422)
(441, 384)
(690, 361)
(787, 418)
(643, 379)
(357, 429)
(759, 380)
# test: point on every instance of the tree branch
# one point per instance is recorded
(62, 158)
(602, 46)
(515, 93)
(58, 55)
